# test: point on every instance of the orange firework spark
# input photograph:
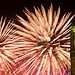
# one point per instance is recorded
(45, 44)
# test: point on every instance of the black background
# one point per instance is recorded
(13, 7)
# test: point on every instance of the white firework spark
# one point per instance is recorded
(6, 56)
(46, 46)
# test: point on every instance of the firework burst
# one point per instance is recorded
(46, 46)
(6, 56)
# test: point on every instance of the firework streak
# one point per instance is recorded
(39, 46)
(6, 55)
(46, 46)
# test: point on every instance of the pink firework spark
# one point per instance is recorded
(45, 49)
(6, 55)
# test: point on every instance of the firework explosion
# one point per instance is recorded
(45, 44)
(6, 56)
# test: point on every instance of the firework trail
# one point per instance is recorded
(6, 55)
(45, 49)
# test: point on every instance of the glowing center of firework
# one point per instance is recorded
(48, 46)
(2, 39)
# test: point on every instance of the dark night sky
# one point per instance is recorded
(13, 7)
